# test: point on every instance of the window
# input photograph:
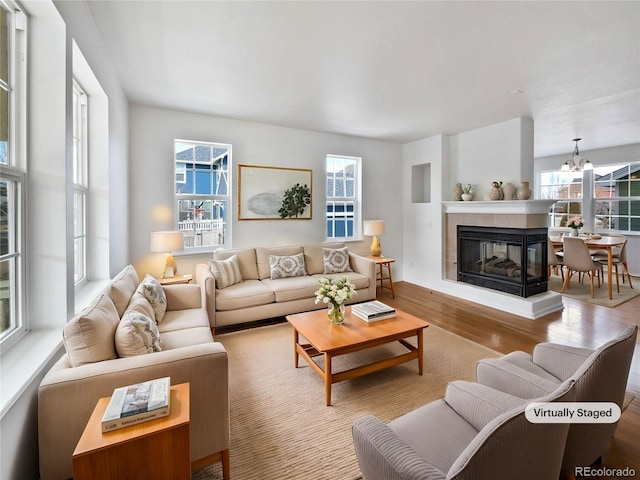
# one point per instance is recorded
(343, 196)
(616, 196)
(202, 180)
(13, 175)
(80, 185)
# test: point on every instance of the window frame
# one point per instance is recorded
(356, 199)
(80, 184)
(215, 199)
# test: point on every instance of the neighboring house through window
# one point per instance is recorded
(343, 196)
(202, 192)
(13, 172)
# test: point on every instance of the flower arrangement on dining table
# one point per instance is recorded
(334, 292)
(576, 223)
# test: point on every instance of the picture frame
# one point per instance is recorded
(261, 190)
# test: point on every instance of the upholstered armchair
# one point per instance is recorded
(578, 259)
(600, 375)
(474, 432)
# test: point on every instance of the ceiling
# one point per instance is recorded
(393, 71)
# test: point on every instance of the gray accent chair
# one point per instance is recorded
(601, 376)
(475, 432)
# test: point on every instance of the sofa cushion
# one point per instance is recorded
(262, 256)
(151, 289)
(137, 334)
(286, 266)
(295, 288)
(186, 338)
(359, 281)
(313, 256)
(246, 259)
(336, 260)
(175, 320)
(249, 293)
(88, 337)
(226, 272)
(122, 288)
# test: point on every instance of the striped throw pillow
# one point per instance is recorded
(226, 272)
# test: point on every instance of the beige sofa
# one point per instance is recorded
(258, 296)
(105, 350)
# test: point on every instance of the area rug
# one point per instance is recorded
(280, 426)
(582, 291)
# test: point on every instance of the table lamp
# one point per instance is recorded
(167, 242)
(374, 228)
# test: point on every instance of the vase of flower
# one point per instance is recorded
(574, 232)
(575, 224)
(466, 193)
(334, 293)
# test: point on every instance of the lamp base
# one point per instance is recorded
(169, 267)
(376, 251)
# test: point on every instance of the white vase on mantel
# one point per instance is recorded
(467, 197)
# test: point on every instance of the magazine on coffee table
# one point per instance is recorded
(373, 311)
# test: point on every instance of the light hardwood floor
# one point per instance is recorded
(578, 324)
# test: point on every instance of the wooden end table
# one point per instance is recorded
(353, 335)
(384, 262)
(175, 280)
(158, 449)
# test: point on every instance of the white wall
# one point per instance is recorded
(153, 130)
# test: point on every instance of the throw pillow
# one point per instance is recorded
(336, 260)
(287, 266)
(151, 289)
(123, 287)
(88, 337)
(226, 272)
(137, 334)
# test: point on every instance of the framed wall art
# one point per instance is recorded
(267, 193)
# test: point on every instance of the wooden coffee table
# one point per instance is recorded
(352, 336)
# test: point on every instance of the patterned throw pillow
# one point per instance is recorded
(137, 334)
(287, 266)
(226, 272)
(151, 289)
(336, 260)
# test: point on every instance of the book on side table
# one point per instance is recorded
(137, 403)
(373, 311)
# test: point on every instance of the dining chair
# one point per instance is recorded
(578, 259)
(620, 259)
(555, 259)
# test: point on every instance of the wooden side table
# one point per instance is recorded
(175, 280)
(384, 262)
(158, 449)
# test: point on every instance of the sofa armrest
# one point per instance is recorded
(382, 454)
(68, 395)
(479, 404)
(183, 296)
(561, 361)
(366, 267)
(207, 283)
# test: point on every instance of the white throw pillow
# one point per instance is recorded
(287, 266)
(226, 272)
(336, 260)
(151, 289)
(137, 334)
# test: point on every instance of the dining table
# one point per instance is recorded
(603, 243)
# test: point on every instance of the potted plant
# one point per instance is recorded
(466, 192)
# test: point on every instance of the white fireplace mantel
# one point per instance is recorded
(511, 207)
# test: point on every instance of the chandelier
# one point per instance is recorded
(576, 163)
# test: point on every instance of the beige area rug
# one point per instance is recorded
(582, 292)
(280, 426)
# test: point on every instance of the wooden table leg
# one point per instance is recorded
(328, 380)
(420, 351)
(609, 268)
(295, 347)
(393, 293)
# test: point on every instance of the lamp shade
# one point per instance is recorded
(167, 241)
(373, 227)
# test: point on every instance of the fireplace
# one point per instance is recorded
(511, 260)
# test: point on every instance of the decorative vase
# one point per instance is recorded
(457, 192)
(467, 197)
(495, 192)
(574, 232)
(524, 192)
(336, 313)
(509, 191)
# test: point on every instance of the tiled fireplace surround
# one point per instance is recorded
(501, 213)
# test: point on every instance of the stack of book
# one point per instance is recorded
(373, 311)
(136, 404)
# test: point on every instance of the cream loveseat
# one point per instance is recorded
(250, 288)
(114, 342)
